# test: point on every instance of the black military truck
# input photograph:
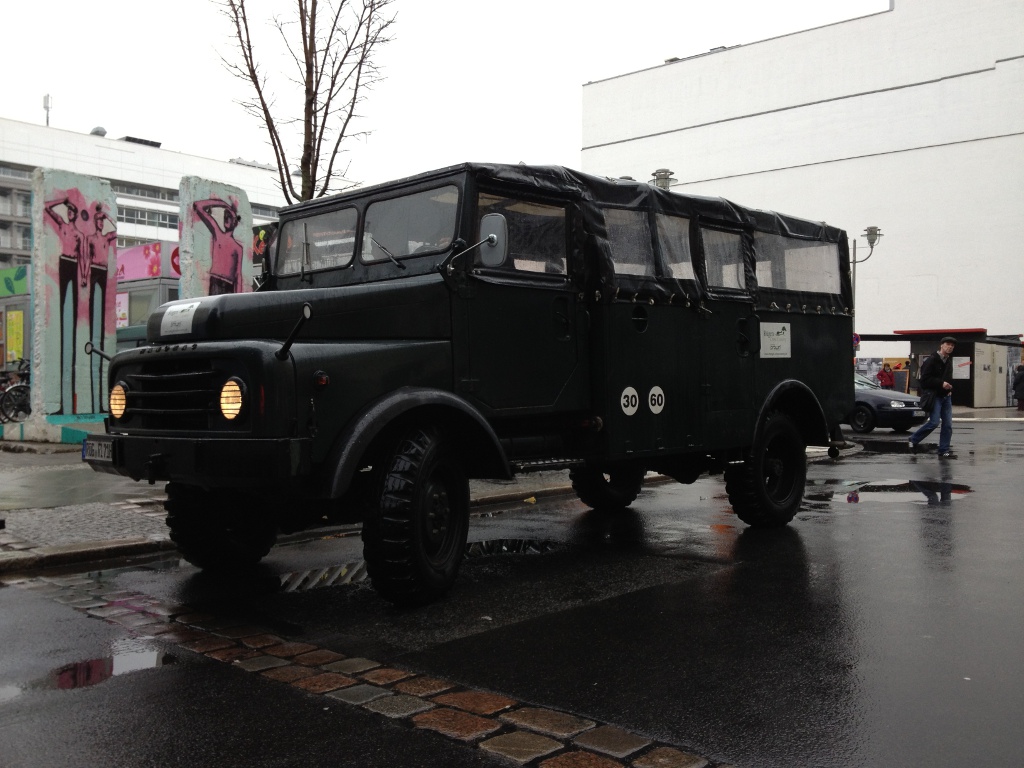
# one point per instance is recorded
(478, 322)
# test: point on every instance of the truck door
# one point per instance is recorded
(523, 318)
(730, 342)
(647, 351)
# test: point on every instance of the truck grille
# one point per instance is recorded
(174, 396)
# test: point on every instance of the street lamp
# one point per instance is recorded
(872, 235)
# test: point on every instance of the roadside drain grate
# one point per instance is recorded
(354, 573)
(510, 547)
(349, 573)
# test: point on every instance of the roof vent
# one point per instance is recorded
(663, 178)
(252, 164)
(145, 142)
(99, 130)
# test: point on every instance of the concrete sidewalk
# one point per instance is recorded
(33, 539)
(39, 537)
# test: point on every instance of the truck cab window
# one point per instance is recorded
(790, 264)
(723, 255)
(674, 237)
(536, 233)
(629, 235)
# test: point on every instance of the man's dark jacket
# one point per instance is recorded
(935, 371)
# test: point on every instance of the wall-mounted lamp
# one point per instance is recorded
(872, 235)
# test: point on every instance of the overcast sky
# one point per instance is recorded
(467, 80)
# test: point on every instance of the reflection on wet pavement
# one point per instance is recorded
(82, 674)
(85, 673)
(820, 493)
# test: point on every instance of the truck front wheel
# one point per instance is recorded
(414, 541)
(613, 490)
(218, 530)
(767, 488)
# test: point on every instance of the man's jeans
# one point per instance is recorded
(941, 411)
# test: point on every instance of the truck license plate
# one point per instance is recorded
(98, 449)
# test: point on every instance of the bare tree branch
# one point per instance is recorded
(332, 44)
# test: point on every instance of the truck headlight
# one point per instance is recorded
(118, 400)
(232, 398)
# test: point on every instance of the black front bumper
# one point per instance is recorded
(210, 462)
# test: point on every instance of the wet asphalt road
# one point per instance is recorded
(882, 628)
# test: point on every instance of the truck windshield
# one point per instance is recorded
(325, 241)
(423, 222)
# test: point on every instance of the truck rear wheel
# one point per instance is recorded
(613, 490)
(766, 490)
(414, 542)
(216, 530)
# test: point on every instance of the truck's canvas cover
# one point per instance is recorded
(594, 193)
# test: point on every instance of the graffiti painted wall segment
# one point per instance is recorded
(215, 247)
(74, 282)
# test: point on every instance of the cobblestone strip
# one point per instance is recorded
(510, 730)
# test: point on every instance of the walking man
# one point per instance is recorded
(937, 377)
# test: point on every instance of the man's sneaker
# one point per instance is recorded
(947, 455)
(912, 446)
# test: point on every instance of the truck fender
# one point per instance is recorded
(347, 455)
(795, 398)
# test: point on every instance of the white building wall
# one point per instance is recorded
(108, 158)
(911, 120)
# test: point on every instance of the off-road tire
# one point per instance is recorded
(216, 530)
(862, 420)
(415, 539)
(767, 488)
(606, 490)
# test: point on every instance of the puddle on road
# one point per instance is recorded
(819, 494)
(82, 674)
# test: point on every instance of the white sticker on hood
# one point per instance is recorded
(177, 320)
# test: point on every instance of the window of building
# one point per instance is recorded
(140, 303)
(152, 193)
(264, 211)
(146, 218)
(15, 173)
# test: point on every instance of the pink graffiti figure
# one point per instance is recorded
(226, 251)
(87, 235)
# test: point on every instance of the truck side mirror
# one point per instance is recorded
(494, 237)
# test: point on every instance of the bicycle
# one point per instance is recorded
(16, 397)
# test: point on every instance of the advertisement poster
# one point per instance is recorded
(15, 335)
(961, 367)
(121, 310)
